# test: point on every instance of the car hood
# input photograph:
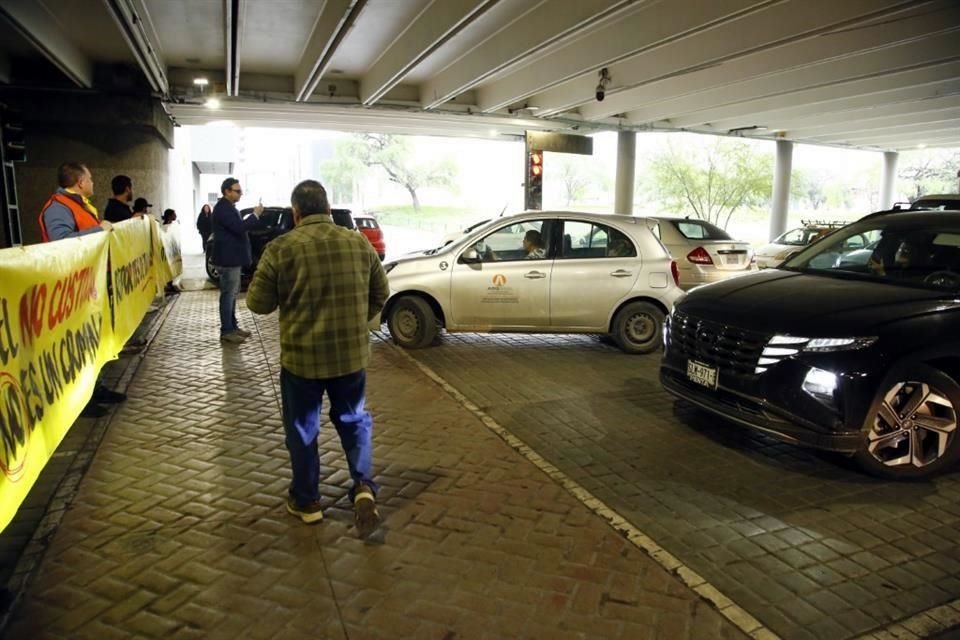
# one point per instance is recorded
(777, 301)
(773, 249)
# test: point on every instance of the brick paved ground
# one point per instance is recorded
(179, 530)
(808, 545)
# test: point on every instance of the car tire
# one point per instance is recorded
(638, 328)
(412, 323)
(920, 443)
(213, 272)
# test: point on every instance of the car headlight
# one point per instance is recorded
(820, 383)
(389, 266)
(791, 345)
(780, 347)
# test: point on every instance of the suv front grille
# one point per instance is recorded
(730, 349)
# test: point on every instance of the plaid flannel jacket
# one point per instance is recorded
(328, 283)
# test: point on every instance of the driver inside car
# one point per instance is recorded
(533, 245)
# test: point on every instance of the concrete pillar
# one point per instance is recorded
(781, 188)
(889, 178)
(112, 134)
(626, 171)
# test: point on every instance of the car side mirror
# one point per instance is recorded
(470, 256)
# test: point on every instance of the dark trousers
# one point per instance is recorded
(302, 401)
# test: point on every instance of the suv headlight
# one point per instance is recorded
(780, 347)
(791, 345)
(389, 266)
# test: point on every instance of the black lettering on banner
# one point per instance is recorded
(13, 421)
(128, 278)
(8, 348)
(52, 380)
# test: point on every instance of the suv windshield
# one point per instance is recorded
(898, 252)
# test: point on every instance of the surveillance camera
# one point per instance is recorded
(602, 85)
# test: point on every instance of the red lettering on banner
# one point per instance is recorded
(31, 312)
(55, 316)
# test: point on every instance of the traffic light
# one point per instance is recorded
(12, 135)
(534, 179)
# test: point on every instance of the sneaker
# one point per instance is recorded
(365, 513)
(243, 332)
(94, 410)
(310, 513)
(232, 337)
(107, 396)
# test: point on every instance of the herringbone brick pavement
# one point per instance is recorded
(808, 544)
(179, 528)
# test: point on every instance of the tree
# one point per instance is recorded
(342, 172)
(810, 186)
(574, 178)
(712, 182)
(393, 155)
(931, 171)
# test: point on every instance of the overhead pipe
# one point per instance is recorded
(133, 32)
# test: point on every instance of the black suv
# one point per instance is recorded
(274, 222)
(852, 345)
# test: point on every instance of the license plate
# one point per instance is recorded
(702, 374)
(733, 259)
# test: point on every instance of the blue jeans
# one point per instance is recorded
(302, 401)
(229, 288)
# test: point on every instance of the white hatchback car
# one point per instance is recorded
(538, 272)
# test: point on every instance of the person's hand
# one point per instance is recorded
(258, 210)
(106, 225)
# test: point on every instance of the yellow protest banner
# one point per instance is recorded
(54, 330)
(134, 276)
(167, 246)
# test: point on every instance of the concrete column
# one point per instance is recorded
(781, 188)
(889, 178)
(111, 133)
(626, 171)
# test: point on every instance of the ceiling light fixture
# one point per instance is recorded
(201, 82)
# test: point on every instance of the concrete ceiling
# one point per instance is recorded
(872, 74)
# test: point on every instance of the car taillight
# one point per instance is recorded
(675, 270)
(699, 256)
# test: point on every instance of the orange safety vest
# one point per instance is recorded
(82, 216)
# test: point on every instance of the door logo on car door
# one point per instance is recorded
(499, 280)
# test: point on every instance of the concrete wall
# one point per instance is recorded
(110, 134)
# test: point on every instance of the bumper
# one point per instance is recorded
(757, 414)
(690, 278)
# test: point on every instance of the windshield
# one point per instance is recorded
(898, 252)
(463, 237)
(802, 236)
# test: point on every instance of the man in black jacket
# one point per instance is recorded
(118, 207)
(231, 253)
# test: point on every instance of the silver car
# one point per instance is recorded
(538, 272)
(704, 252)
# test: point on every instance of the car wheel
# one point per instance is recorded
(637, 327)
(212, 271)
(412, 323)
(911, 430)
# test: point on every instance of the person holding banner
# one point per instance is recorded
(68, 213)
(231, 253)
(328, 283)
